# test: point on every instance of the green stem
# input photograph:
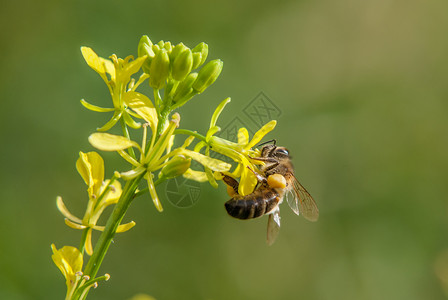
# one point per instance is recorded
(83, 240)
(111, 227)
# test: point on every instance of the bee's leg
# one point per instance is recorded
(231, 182)
(260, 177)
(274, 162)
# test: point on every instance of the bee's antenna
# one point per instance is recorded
(274, 141)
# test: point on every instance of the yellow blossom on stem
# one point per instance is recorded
(117, 73)
(101, 194)
(69, 260)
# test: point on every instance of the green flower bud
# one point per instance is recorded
(207, 75)
(197, 58)
(182, 65)
(179, 48)
(177, 166)
(184, 91)
(159, 70)
(168, 47)
(144, 48)
(200, 53)
(161, 43)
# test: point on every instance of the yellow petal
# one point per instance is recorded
(198, 176)
(152, 191)
(74, 225)
(63, 209)
(108, 67)
(211, 132)
(88, 244)
(243, 136)
(248, 182)
(143, 106)
(91, 168)
(92, 60)
(110, 142)
(113, 194)
(211, 163)
(135, 65)
(69, 260)
(120, 228)
(261, 133)
(125, 227)
(218, 111)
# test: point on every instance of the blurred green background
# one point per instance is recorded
(362, 88)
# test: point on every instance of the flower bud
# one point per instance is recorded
(177, 50)
(177, 166)
(182, 65)
(207, 75)
(159, 69)
(144, 48)
(168, 47)
(184, 91)
(200, 53)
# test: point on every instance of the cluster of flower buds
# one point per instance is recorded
(172, 67)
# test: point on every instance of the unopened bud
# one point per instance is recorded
(200, 53)
(207, 75)
(182, 65)
(159, 70)
(184, 91)
(168, 47)
(177, 50)
(145, 48)
(177, 166)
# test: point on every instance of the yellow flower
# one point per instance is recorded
(240, 152)
(117, 73)
(101, 194)
(153, 159)
(69, 260)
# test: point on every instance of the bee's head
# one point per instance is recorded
(271, 150)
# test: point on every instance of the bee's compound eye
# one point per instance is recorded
(283, 151)
(277, 181)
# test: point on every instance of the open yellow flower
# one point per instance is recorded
(101, 194)
(240, 152)
(127, 103)
(69, 260)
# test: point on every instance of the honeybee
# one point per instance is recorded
(270, 191)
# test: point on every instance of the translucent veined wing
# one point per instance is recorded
(293, 201)
(273, 226)
(301, 201)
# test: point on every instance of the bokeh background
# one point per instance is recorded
(362, 87)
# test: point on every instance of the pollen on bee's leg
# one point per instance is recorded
(231, 191)
(277, 181)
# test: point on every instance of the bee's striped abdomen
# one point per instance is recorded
(254, 205)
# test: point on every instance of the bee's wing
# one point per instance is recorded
(301, 201)
(273, 227)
